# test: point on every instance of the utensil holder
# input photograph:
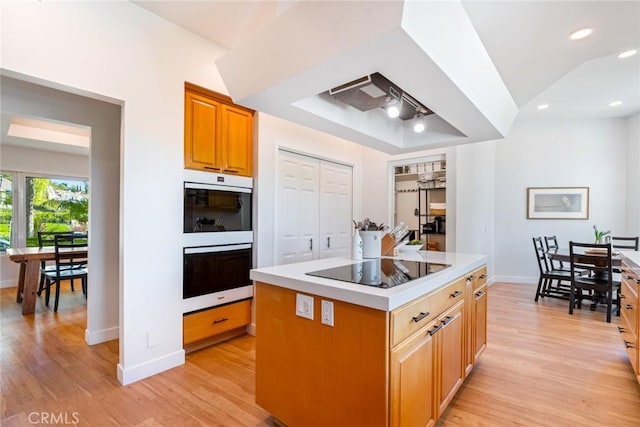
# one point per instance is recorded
(371, 244)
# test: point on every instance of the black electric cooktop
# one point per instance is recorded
(381, 273)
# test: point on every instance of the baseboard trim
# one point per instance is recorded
(11, 283)
(523, 280)
(101, 335)
(152, 367)
(251, 329)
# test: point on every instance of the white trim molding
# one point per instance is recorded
(152, 367)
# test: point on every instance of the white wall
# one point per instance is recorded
(120, 51)
(18, 159)
(633, 176)
(475, 166)
(556, 153)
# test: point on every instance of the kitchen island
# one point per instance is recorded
(331, 352)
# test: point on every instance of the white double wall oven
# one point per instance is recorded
(217, 239)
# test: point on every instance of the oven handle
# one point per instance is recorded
(222, 248)
(229, 188)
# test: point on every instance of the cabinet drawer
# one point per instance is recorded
(207, 323)
(480, 276)
(410, 318)
(630, 341)
(630, 274)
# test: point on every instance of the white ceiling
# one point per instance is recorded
(527, 41)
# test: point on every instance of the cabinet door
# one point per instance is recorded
(335, 209)
(469, 328)
(298, 208)
(200, 132)
(450, 351)
(480, 321)
(236, 140)
(412, 381)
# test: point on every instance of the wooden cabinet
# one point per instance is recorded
(629, 318)
(218, 135)
(377, 368)
(475, 316)
(412, 385)
(214, 322)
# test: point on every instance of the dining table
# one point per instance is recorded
(562, 254)
(30, 259)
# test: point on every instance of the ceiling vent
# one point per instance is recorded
(376, 91)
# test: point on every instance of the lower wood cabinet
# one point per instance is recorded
(629, 317)
(213, 322)
(412, 390)
(372, 368)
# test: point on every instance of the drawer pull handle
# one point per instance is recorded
(621, 329)
(213, 169)
(456, 293)
(470, 278)
(422, 315)
(436, 329)
(479, 294)
(622, 296)
(627, 344)
(628, 306)
(629, 277)
(482, 276)
(224, 319)
(446, 320)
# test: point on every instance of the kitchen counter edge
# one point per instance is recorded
(293, 276)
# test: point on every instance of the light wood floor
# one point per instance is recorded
(542, 368)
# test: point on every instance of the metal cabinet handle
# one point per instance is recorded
(224, 319)
(328, 242)
(628, 306)
(479, 294)
(446, 320)
(455, 294)
(470, 278)
(311, 244)
(622, 296)
(436, 329)
(482, 276)
(627, 344)
(210, 168)
(621, 329)
(421, 316)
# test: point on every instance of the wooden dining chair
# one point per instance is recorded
(47, 238)
(597, 259)
(551, 243)
(548, 275)
(69, 265)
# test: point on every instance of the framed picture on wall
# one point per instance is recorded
(558, 203)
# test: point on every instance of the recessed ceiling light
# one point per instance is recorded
(615, 103)
(393, 111)
(627, 53)
(543, 106)
(581, 33)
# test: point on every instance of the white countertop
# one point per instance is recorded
(633, 257)
(293, 276)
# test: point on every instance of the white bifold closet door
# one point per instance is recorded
(314, 204)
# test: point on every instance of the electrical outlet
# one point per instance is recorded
(327, 313)
(304, 306)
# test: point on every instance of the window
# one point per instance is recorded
(6, 210)
(39, 203)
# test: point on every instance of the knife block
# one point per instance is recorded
(387, 244)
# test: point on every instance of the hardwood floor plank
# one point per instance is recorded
(542, 367)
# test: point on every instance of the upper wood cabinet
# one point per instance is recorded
(218, 135)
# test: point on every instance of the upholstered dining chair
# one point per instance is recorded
(69, 265)
(548, 275)
(599, 284)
